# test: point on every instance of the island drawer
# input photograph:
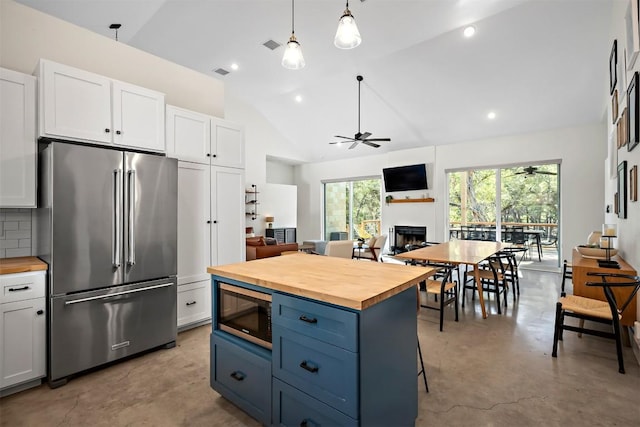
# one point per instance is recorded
(292, 407)
(327, 372)
(242, 377)
(325, 323)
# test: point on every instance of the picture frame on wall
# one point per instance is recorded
(622, 190)
(614, 106)
(613, 67)
(632, 113)
(622, 129)
(633, 184)
(632, 34)
(615, 204)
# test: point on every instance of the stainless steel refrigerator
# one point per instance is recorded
(107, 226)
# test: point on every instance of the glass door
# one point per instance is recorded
(352, 209)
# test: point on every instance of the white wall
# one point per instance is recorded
(280, 173)
(26, 35)
(580, 151)
(280, 202)
(629, 228)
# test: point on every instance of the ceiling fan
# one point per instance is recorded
(360, 137)
(532, 170)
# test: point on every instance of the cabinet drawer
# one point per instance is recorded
(194, 302)
(329, 324)
(242, 377)
(322, 370)
(22, 286)
(291, 407)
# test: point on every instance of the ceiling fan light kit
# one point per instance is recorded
(293, 59)
(347, 35)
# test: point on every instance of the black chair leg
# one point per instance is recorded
(556, 329)
(617, 332)
(441, 311)
(455, 303)
(422, 371)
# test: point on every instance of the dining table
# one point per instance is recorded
(456, 252)
(536, 235)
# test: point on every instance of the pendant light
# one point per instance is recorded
(347, 36)
(293, 58)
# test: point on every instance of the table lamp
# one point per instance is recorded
(270, 220)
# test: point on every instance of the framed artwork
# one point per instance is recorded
(613, 67)
(632, 113)
(622, 130)
(622, 190)
(632, 34)
(614, 106)
(615, 203)
(633, 184)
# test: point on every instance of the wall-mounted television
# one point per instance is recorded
(405, 178)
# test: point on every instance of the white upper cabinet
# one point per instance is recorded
(138, 117)
(227, 144)
(188, 135)
(199, 138)
(83, 106)
(17, 139)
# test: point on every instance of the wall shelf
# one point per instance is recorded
(427, 200)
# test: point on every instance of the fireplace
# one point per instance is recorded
(407, 238)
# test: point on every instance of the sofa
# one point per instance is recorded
(260, 247)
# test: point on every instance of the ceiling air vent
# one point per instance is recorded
(273, 45)
(221, 71)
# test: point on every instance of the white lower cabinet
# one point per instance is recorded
(22, 328)
(194, 303)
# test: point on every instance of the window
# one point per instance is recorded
(352, 209)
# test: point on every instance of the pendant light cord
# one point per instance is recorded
(359, 81)
(292, 20)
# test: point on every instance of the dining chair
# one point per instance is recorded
(339, 248)
(492, 279)
(519, 240)
(608, 312)
(442, 288)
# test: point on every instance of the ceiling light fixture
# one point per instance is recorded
(234, 66)
(298, 98)
(347, 36)
(469, 31)
(293, 58)
(491, 115)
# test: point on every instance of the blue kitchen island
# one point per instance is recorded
(307, 340)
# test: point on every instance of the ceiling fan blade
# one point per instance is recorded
(353, 145)
(379, 139)
(363, 136)
(546, 173)
(370, 144)
(344, 137)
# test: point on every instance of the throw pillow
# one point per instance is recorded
(372, 242)
(270, 241)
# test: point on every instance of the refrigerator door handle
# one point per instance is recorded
(131, 233)
(116, 294)
(117, 217)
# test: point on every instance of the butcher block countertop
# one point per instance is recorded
(21, 264)
(343, 282)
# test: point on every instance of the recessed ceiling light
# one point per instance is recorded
(298, 98)
(491, 115)
(469, 31)
(234, 66)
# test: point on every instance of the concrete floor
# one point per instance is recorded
(497, 372)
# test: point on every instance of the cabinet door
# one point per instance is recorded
(188, 135)
(194, 226)
(22, 341)
(74, 104)
(17, 139)
(227, 214)
(138, 117)
(227, 144)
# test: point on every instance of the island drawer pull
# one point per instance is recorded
(191, 303)
(24, 288)
(312, 369)
(308, 320)
(237, 375)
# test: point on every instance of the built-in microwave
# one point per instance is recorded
(245, 313)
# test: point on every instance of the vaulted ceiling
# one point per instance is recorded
(538, 64)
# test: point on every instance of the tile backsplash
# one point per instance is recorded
(15, 232)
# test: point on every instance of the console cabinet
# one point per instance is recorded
(282, 235)
(329, 365)
(22, 329)
(17, 140)
(83, 106)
